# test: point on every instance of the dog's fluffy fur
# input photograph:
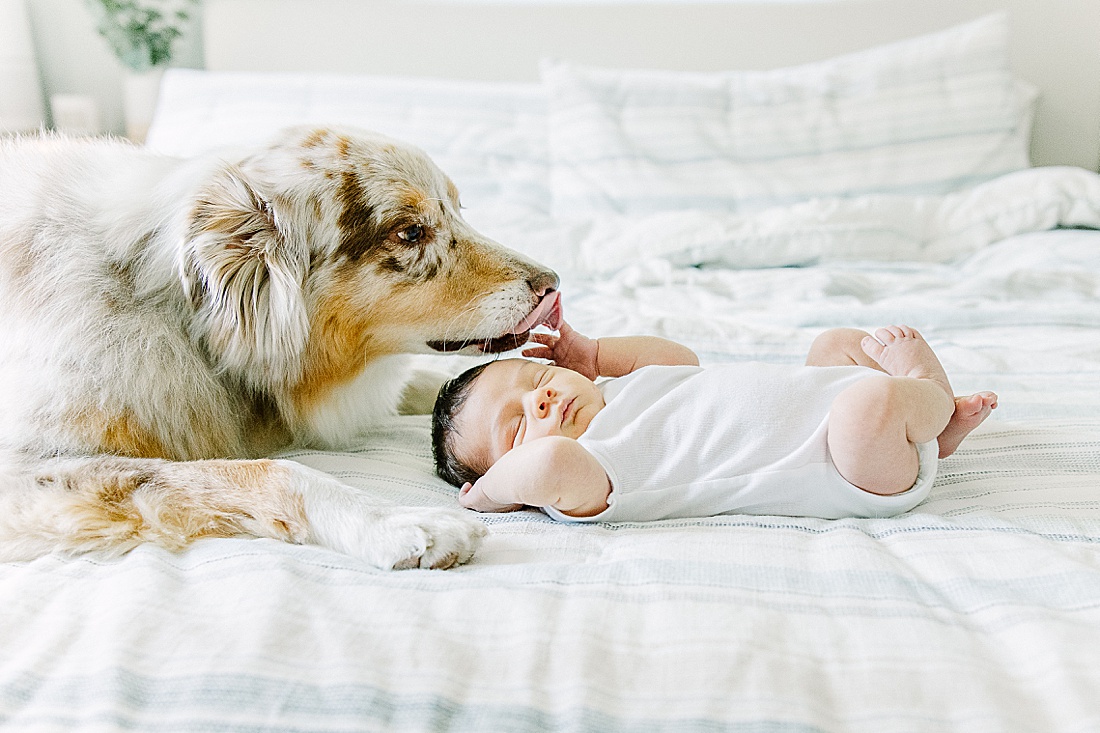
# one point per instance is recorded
(166, 323)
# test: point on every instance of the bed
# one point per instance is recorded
(933, 164)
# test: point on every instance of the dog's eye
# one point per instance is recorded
(412, 234)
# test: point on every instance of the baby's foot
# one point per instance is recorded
(970, 412)
(902, 352)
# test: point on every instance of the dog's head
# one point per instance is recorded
(310, 258)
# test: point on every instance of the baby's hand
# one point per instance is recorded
(471, 496)
(570, 349)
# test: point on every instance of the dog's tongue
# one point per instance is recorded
(547, 312)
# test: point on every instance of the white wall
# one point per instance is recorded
(73, 58)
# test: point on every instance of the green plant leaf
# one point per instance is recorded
(142, 33)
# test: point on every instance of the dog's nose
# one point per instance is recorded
(543, 282)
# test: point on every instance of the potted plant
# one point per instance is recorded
(143, 34)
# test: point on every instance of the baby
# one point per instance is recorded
(855, 433)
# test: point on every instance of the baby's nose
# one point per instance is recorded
(544, 401)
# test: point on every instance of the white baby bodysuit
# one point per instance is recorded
(743, 438)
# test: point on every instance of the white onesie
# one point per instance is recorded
(743, 438)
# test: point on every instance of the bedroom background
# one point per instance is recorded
(75, 61)
(73, 58)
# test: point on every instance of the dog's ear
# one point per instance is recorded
(244, 272)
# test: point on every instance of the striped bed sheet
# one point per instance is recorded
(978, 611)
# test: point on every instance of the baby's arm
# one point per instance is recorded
(553, 471)
(619, 355)
(611, 356)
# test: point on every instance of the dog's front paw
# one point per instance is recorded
(351, 521)
(424, 538)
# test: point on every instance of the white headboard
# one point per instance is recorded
(1056, 43)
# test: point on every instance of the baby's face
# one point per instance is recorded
(515, 401)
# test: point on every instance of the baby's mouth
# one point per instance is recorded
(567, 409)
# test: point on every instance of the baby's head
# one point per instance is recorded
(445, 434)
(491, 408)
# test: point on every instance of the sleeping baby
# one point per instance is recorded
(857, 432)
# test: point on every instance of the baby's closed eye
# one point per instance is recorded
(517, 433)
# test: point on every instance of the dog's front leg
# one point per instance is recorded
(112, 504)
(386, 536)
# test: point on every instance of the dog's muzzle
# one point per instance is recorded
(547, 312)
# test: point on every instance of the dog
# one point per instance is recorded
(167, 323)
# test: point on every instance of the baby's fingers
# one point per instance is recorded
(470, 496)
(464, 495)
(547, 339)
(540, 352)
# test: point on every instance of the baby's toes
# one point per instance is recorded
(969, 405)
(910, 333)
(890, 334)
(975, 406)
(873, 347)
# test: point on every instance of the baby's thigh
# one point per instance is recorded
(867, 436)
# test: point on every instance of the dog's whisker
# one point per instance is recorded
(476, 321)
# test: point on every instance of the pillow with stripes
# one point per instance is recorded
(929, 115)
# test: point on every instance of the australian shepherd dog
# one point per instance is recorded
(167, 323)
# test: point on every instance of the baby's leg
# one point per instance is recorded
(875, 424)
(844, 347)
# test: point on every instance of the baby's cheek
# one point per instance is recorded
(585, 419)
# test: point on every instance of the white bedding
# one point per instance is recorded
(977, 612)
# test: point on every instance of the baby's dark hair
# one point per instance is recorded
(452, 396)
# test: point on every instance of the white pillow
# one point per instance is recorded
(925, 116)
(489, 137)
